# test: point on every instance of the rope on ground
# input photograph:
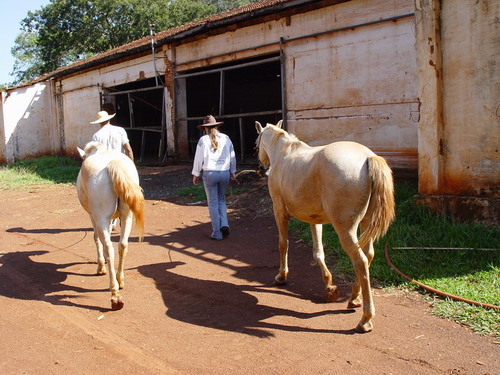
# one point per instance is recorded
(436, 291)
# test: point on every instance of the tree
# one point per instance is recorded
(223, 5)
(27, 60)
(65, 31)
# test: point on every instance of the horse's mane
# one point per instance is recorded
(93, 147)
(293, 141)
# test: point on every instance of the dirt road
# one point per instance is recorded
(196, 306)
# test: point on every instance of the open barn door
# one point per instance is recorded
(238, 94)
(140, 110)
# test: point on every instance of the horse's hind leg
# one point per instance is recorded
(368, 250)
(125, 229)
(360, 262)
(332, 292)
(109, 253)
(101, 262)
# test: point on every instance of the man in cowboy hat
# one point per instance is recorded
(112, 137)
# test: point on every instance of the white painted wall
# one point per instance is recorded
(81, 99)
(356, 85)
(28, 127)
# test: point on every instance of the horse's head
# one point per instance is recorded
(260, 146)
(90, 149)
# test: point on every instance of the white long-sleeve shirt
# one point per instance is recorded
(207, 159)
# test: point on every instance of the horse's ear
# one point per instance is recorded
(81, 152)
(258, 126)
(279, 124)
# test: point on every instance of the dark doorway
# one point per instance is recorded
(238, 94)
(139, 108)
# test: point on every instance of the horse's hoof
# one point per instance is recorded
(364, 328)
(116, 304)
(279, 280)
(354, 304)
(332, 294)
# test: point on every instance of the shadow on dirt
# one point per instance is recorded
(25, 279)
(235, 307)
(223, 305)
(48, 231)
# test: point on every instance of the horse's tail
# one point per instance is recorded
(381, 200)
(128, 191)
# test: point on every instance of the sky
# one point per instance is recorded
(12, 14)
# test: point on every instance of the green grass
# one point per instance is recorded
(46, 170)
(197, 192)
(471, 274)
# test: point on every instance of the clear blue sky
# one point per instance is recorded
(12, 14)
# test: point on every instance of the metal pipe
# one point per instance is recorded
(152, 34)
(236, 115)
(283, 83)
(244, 65)
(430, 289)
(130, 91)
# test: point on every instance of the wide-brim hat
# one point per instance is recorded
(103, 116)
(210, 121)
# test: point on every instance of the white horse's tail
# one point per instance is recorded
(128, 191)
(382, 200)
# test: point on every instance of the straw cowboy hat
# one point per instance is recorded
(209, 122)
(103, 116)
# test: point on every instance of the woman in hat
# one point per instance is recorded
(112, 137)
(216, 158)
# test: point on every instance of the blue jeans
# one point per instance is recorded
(216, 183)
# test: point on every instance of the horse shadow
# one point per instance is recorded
(226, 306)
(48, 231)
(25, 279)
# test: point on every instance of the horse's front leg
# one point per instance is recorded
(282, 223)
(101, 262)
(332, 292)
(125, 229)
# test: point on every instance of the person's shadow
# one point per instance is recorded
(222, 305)
(25, 279)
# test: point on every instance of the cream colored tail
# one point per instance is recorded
(129, 192)
(382, 200)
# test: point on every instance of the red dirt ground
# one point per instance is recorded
(196, 306)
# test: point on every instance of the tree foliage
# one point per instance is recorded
(27, 62)
(65, 31)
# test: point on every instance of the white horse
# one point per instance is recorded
(343, 183)
(108, 188)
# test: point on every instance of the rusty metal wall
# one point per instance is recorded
(349, 75)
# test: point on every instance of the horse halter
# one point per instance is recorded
(257, 145)
(261, 170)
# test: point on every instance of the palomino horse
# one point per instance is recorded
(108, 188)
(343, 183)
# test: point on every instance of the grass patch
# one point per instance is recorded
(197, 192)
(46, 170)
(471, 274)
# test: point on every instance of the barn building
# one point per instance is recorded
(416, 81)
